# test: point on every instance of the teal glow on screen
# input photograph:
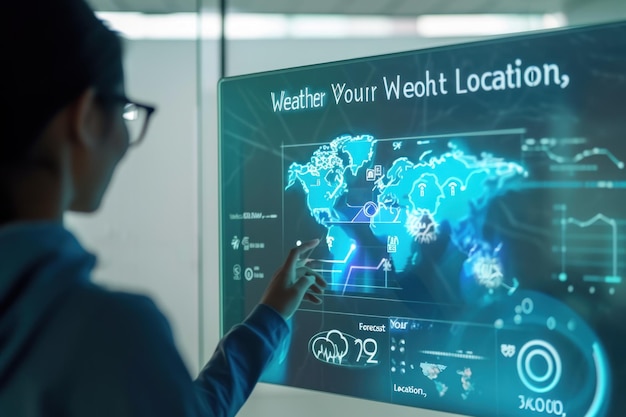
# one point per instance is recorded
(471, 206)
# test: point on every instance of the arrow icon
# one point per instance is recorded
(452, 186)
(422, 187)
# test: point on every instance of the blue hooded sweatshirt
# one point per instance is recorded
(71, 348)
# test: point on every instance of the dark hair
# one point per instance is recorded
(53, 51)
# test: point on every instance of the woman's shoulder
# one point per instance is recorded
(111, 311)
(91, 331)
(90, 321)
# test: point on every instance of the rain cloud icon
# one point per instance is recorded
(330, 347)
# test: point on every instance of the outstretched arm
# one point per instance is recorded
(241, 356)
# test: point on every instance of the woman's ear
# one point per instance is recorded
(83, 119)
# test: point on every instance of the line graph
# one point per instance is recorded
(546, 146)
(599, 219)
(581, 156)
(384, 264)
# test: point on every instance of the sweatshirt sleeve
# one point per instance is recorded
(128, 365)
(239, 360)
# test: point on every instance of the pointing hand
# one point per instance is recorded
(294, 282)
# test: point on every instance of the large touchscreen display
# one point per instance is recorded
(471, 207)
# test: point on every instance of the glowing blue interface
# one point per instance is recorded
(471, 207)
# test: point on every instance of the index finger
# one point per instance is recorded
(295, 253)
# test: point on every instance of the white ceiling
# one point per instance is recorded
(352, 7)
(400, 7)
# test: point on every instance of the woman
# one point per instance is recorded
(67, 346)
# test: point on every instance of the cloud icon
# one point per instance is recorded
(329, 347)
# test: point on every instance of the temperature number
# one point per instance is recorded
(367, 347)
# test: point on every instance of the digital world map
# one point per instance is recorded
(405, 190)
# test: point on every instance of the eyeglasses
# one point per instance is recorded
(136, 116)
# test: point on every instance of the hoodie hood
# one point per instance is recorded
(39, 262)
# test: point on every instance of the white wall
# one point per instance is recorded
(146, 233)
(248, 56)
(596, 11)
